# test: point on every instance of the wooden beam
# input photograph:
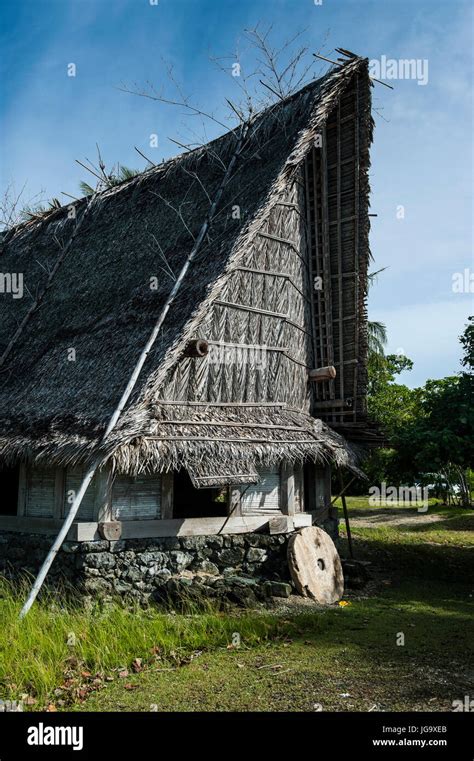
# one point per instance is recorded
(231, 424)
(185, 402)
(28, 525)
(233, 440)
(250, 347)
(281, 524)
(247, 308)
(271, 273)
(198, 347)
(88, 531)
(322, 374)
(330, 404)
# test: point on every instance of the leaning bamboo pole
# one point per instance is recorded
(243, 132)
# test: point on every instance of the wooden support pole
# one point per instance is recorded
(346, 515)
(167, 491)
(287, 486)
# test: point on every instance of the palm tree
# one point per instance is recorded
(376, 331)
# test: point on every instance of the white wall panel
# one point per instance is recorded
(136, 498)
(40, 493)
(263, 497)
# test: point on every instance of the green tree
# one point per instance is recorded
(391, 405)
(439, 439)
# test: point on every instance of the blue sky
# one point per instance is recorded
(421, 157)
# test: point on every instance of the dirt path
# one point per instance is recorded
(392, 516)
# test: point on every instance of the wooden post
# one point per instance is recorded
(234, 502)
(322, 488)
(22, 486)
(167, 490)
(299, 490)
(103, 497)
(59, 494)
(287, 481)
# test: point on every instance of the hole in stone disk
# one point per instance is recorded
(321, 564)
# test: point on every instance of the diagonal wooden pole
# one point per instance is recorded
(346, 514)
(134, 377)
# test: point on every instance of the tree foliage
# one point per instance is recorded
(430, 430)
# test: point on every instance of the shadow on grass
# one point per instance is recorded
(458, 523)
(405, 560)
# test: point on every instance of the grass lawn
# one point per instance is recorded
(339, 659)
(297, 658)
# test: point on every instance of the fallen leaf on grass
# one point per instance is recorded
(131, 686)
(344, 603)
(137, 665)
(51, 708)
(123, 674)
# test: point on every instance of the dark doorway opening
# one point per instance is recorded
(189, 502)
(9, 486)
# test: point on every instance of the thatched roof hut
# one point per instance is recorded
(277, 292)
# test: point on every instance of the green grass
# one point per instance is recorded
(342, 658)
(56, 643)
(319, 658)
(442, 550)
(363, 504)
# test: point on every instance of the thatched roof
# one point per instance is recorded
(100, 303)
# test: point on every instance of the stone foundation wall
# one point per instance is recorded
(242, 568)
